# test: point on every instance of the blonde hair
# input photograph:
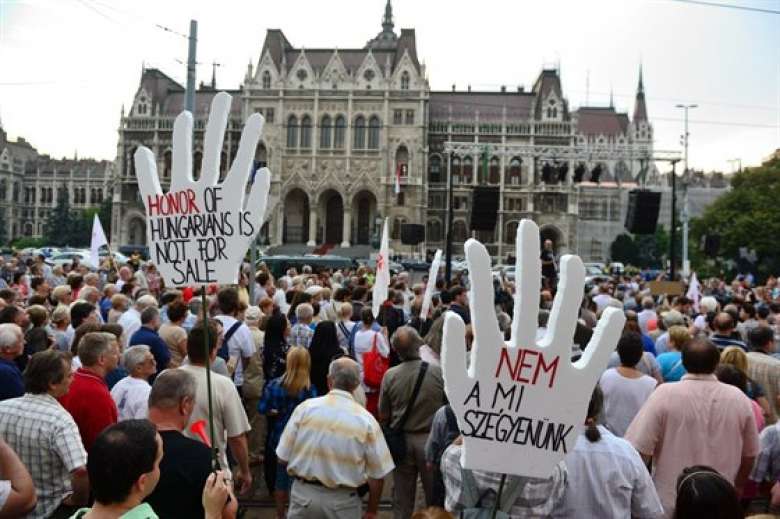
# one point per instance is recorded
(296, 375)
(735, 356)
(433, 512)
(679, 336)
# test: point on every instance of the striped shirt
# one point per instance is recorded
(335, 441)
(537, 498)
(48, 442)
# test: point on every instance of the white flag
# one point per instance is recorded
(98, 240)
(382, 279)
(694, 291)
(432, 275)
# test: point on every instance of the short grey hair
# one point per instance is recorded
(134, 356)
(93, 345)
(406, 342)
(10, 334)
(304, 311)
(344, 374)
(171, 387)
(85, 292)
(145, 302)
(149, 314)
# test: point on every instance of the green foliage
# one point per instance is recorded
(624, 250)
(28, 242)
(645, 250)
(73, 227)
(746, 216)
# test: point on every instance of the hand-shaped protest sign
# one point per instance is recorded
(520, 406)
(199, 231)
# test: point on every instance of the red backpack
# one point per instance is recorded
(374, 366)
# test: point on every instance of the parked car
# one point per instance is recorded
(415, 264)
(64, 258)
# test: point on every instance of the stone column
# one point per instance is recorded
(345, 239)
(312, 227)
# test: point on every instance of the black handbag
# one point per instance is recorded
(394, 436)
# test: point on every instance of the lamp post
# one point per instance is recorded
(685, 262)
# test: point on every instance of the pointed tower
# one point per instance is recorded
(640, 108)
(387, 38)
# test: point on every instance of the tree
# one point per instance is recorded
(624, 250)
(59, 224)
(747, 216)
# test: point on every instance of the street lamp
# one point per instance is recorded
(685, 262)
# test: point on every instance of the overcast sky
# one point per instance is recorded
(67, 66)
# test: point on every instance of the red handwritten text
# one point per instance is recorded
(528, 366)
(180, 202)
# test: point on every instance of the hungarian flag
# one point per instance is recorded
(399, 172)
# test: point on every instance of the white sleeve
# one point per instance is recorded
(247, 344)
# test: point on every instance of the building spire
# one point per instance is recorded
(641, 87)
(640, 108)
(387, 21)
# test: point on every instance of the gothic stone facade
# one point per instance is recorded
(342, 123)
(31, 184)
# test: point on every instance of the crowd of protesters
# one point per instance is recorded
(104, 406)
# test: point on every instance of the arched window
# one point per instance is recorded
(434, 169)
(266, 80)
(510, 232)
(459, 233)
(292, 132)
(339, 132)
(456, 170)
(360, 133)
(306, 132)
(468, 169)
(326, 128)
(196, 163)
(167, 163)
(433, 232)
(395, 232)
(514, 172)
(486, 235)
(402, 162)
(373, 133)
(405, 81)
(494, 173)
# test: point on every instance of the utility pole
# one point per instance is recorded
(448, 247)
(685, 262)
(673, 237)
(189, 99)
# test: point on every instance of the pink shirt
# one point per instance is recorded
(697, 421)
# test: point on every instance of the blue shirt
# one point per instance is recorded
(11, 381)
(276, 398)
(157, 346)
(672, 368)
(648, 344)
(115, 375)
(105, 306)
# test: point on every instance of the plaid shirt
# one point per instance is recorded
(276, 398)
(47, 441)
(537, 499)
(767, 464)
(300, 335)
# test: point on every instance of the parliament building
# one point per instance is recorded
(344, 125)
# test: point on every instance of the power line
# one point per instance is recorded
(729, 6)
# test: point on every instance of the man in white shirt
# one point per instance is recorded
(237, 337)
(230, 421)
(130, 321)
(131, 394)
(647, 313)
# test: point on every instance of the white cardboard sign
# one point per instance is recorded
(521, 404)
(432, 275)
(199, 231)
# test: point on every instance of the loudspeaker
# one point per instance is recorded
(412, 233)
(642, 213)
(484, 208)
(712, 245)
